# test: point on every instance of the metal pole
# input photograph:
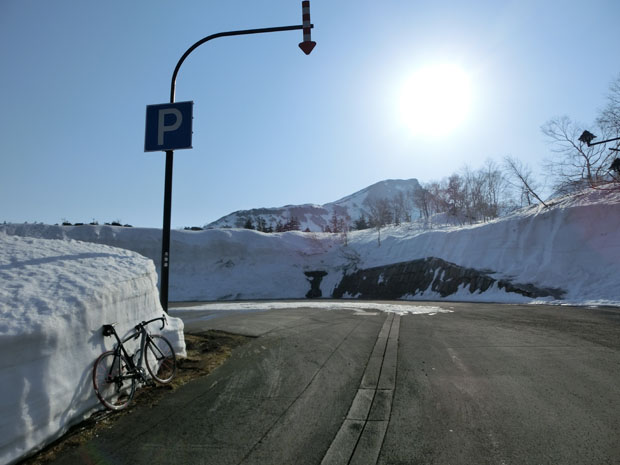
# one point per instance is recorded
(165, 252)
(165, 246)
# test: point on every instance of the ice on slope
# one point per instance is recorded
(54, 298)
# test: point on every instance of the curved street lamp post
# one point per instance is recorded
(159, 128)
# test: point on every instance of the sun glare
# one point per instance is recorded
(435, 100)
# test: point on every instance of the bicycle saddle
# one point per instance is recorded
(108, 330)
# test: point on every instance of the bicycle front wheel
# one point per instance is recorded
(161, 362)
(112, 381)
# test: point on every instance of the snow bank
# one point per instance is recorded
(216, 264)
(356, 306)
(54, 298)
(574, 246)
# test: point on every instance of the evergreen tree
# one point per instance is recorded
(361, 223)
(261, 224)
(294, 224)
(334, 224)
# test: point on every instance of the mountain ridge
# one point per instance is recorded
(315, 217)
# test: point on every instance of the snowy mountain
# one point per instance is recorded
(317, 217)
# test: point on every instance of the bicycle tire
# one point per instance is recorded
(160, 359)
(113, 385)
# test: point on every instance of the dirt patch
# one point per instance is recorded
(205, 352)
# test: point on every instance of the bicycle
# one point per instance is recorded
(116, 372)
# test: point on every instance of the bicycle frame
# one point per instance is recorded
(135, 368)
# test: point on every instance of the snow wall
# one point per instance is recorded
(54, 298)
(574, 246)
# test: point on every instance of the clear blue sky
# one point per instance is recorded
(271, 125)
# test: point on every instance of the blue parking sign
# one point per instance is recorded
(168, 126)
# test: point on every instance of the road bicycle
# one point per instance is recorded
(116, 372)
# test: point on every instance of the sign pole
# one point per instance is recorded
(165, 250)
(307, 45)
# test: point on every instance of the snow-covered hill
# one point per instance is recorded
(317, 217)
(572, 247)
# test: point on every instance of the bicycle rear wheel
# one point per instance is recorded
(112, 381)
(161, 362)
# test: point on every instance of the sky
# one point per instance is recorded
(271, 125)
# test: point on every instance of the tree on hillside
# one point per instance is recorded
(261, 224)
(472, 194)
(455, 194)
(249, 224)
(361, 223)
(422, 200)
(292, 224)
(609, 119)
(437, 196)
(573, 164)
(520, 177)
(380, 214)
(484, 192)
(468, 196)
(336, 224)
(400, 208)
(495, 189)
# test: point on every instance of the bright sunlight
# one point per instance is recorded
(435, 100)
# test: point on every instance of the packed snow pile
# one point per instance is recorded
(571, 248)
(574, 245)
(362, 308)
(54, 298)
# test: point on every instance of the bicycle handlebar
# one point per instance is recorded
(163, 319)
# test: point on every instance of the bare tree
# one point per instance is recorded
(472, 194)
(521, 178)
(483, 193)
(609, 119)
(495, 189)
(454, 195)
(438, 197)
(574, 165)
(399, 207)
(421, 199)
(380, 214)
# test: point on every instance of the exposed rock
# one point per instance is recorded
(315, 278)
(414, 277)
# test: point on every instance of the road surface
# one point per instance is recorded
(484, 384)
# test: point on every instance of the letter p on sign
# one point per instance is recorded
(168, 127)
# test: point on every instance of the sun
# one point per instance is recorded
(435, 100)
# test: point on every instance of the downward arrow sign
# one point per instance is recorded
(307, 46)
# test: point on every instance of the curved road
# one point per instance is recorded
(484, 384)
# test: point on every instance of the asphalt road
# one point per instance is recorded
(485, 384)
